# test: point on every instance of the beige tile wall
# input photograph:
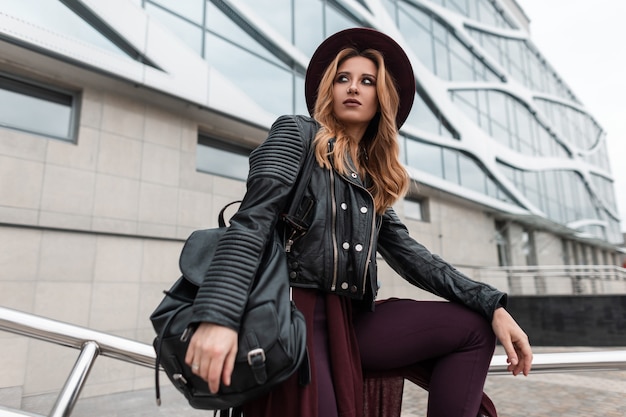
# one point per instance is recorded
(549, 249)
(90, 233)
(102, 282)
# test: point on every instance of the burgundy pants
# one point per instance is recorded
(452, 344)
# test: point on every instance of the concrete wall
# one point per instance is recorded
(102, 282)
(517, 242)
(461, 235)
(548, 248)
(132, 171)
(90, 234)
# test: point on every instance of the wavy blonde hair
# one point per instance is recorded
(389, 179)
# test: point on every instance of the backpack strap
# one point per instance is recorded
(308, 128)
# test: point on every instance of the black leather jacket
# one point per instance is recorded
(337, 253)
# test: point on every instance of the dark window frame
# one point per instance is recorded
(47, 92)
(423, 204)
(212, 141)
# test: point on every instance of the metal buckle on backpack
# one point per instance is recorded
(187, 333)
(254, 353)
(180, 377)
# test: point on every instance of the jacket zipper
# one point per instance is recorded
(333, 205)
(372, 234)
(292, 237)
(369, 249)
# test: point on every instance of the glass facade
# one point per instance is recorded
(436, 46)
(553, 125)
(509, 122)
(483, 11)
(578, 129)
(523, 63)
(481, 66)
(234, 45)
(56, 17)
(453, 166)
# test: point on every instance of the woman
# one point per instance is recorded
(359, 89)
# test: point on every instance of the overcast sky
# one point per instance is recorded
(585, 42)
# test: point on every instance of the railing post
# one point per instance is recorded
(74, 384)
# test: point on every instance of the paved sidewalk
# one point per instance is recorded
(540, 395)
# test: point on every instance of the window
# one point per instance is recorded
(71, 19)
(523, 63)
(32, 107)
(186, 31)
(572, 125)
(508, 121)
(425, 157)
(222, 158)
(416, 209)
(188, 9)
(484, 11)
(437, 46)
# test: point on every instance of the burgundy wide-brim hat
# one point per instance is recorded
(396, 62)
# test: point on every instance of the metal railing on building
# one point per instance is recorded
(92, 343)
(557, 279)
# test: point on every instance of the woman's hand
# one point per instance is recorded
(211, 354)
(514, 340)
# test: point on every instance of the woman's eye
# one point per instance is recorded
(368, 81)
(342, 79)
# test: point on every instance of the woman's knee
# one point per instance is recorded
(482, 332)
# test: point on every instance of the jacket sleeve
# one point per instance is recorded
(274, 167)
(413, 262)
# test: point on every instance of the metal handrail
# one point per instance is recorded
(544, 279)
(74, 336)
(91, 343)
(609, 272)
(561, 267)
(605, 360)
(94, 343)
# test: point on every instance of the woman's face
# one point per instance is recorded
(355, 101)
